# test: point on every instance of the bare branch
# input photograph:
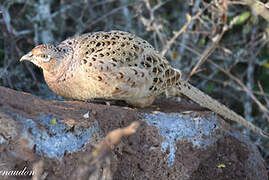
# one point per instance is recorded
(259, 8)
(210, 49)
(93, 161)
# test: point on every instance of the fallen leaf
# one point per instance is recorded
(86, 116)
(53, 121)
(221, 165)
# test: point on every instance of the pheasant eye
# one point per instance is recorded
(45, 58)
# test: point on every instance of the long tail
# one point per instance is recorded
(206, 101)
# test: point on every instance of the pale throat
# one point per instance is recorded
(56, 70)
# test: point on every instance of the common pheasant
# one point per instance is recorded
(117, 65)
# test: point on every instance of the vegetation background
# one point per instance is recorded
(221, 44)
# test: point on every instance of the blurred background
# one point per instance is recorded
(221, 45)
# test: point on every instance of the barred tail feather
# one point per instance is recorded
(206, 101)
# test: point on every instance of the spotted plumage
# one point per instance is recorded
(120, 66)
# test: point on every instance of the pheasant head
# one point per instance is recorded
(49, 57)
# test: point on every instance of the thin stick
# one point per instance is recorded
(264, 109)
(209, 50)
(265, 98)
(108, 14)
(215, 41)
(259, 8)
(178, 33)
(244, 88)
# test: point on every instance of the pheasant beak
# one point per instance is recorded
(28, 56)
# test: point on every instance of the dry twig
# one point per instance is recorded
(215, 40)
(261, 106)
(94, 166)
(183, 29)
(259, 8)
(209, 50)
(244, 88)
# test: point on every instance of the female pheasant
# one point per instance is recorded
(120, 66)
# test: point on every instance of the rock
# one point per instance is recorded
(170, 143)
